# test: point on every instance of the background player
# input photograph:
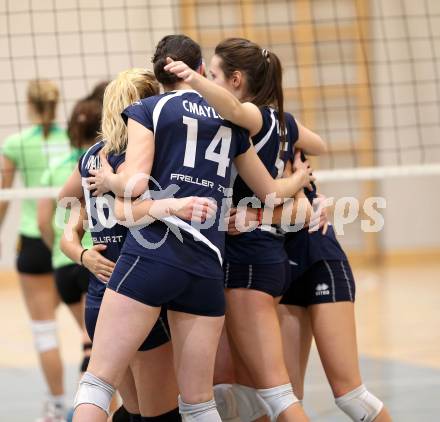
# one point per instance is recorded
(41, 144)
(71, 279)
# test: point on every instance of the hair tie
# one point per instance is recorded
(266, 57)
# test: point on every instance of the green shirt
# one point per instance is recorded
(32, 155)
(55, 176)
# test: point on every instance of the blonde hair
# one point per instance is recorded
(43, 96)
(130, 86)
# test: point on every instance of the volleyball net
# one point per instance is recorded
(364, 74)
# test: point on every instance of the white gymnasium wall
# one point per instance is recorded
(76, 62)
(408, 75)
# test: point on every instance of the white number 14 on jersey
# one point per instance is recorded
(222, 137)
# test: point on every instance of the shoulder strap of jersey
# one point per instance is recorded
(266, 137)
(160, 104)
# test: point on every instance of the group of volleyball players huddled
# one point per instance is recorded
(190, 221)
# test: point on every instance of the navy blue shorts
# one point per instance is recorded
(324, 282)
(273, 279)
(155, 284)
(160, 334)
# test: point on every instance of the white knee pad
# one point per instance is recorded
(360, 405)
(199, 412)
(45, 335)
(249, 406)
(277, 399)
(226, 403)
(93, 390)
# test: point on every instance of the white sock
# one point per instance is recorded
(58, 401)
(200, 412)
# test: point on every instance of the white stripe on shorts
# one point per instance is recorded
(227, 274)
(346, 279)
(250, 277)
(332, 279)
(127, 273)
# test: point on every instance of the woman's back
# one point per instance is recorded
(32, 154)
(194, 149)
(264, 245)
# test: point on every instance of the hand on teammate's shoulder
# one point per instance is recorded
(180, 69)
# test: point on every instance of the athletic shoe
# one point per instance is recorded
(52, 413)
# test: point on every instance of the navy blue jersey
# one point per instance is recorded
(102, 224)
(304, 248)
(194, 149)
(263, 245)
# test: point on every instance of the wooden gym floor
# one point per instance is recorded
(398, 318)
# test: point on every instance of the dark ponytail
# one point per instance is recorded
(264, 74)
(177, 47)
(84, 123)
(98, 91)
(273, 89)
